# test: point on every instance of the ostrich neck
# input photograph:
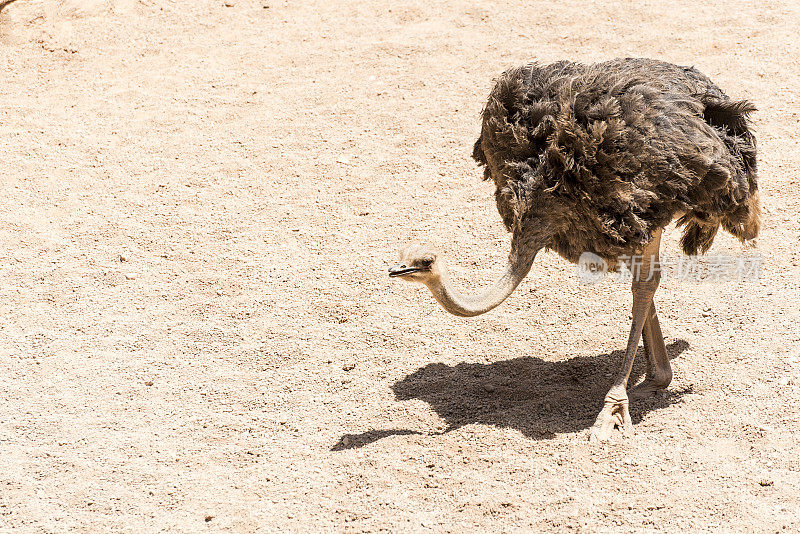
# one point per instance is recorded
(470, 305)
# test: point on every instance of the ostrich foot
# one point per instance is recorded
(649, 388)
(614, 414)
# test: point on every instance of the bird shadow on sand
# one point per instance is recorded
(537, 397)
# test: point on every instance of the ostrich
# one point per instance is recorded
(600, 158)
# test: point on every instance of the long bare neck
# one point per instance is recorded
(470, 305)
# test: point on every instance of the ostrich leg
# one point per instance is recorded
(645, 282)
(659, 372)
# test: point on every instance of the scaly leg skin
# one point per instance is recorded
(615, 407)
(615, 413)
(659, 372)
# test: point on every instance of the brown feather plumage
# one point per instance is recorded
(598, 157)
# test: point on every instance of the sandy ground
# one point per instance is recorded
(198, 204)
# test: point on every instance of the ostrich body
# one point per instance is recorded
(600, 158)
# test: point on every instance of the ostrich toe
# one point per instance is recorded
(648, 388)
(615, 413)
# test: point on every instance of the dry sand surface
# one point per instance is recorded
(198, 205)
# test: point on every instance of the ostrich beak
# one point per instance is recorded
(401, 269)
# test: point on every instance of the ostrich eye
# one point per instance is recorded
(426, 262)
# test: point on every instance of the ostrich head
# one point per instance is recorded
(421, 263)
(418, 263)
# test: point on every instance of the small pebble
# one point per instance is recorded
(209, 518)
(766, 482)
(349, 366)
(123, 257)
(131, 276)
(148, 382)
(489, 387)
